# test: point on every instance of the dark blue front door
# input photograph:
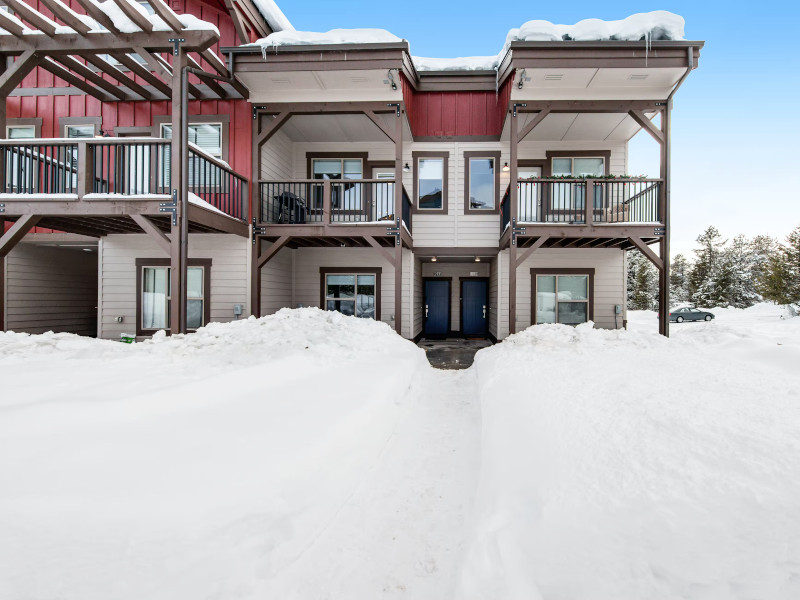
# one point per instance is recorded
(474, 307)
(437, 307)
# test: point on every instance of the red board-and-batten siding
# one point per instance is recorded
(449, 114)
(51, 108)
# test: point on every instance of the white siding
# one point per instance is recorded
(419, 293)
(277, 281)
(307, 277)
(609, 280)
(408, 294)
(493, 296)
(276, 158)
(455, 272)
(229, 273)
(502, 298)
(51, 289)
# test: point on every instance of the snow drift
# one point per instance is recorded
(624, 465)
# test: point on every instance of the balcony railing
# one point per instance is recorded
(623, 200)
(330, 201)
(132, 167)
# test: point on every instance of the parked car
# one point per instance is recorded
(679, 315)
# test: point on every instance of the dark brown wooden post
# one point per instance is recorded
(255, 219)
(663, 281)
(589, 203)
(513, 198)
(178, 237)
(3, 265)
(398, 215)
(85, 168)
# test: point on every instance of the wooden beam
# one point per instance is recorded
(156, 63)
(179, 241)
(18, 230)
(237, 22)
(34, 17)
(265, 257)
(69, 17)
(163, 10)
(141, 21)
(216, 62)
(197, 40)
(646, 124)
(50, 65)
(137, 69)
(109, 69)
(90, 76)
(645, 249)
(531, 249)
(374, 118)
(374, 243)
(541, 116)
(272, 127)
(11, 25)
(212, 83)
(158, 236)
(98, 15)
(16, 72)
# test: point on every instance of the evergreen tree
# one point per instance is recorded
(780, 280)
(642, 282)
(706, 268)
(733, 284)
(679, 279)
(761, 248)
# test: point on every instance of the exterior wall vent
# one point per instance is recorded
(280, 81)
(638, 76)
(553, 76)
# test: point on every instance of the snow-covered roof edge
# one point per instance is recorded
(652, 26)
(273, 15)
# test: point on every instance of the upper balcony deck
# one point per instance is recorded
(93, 186)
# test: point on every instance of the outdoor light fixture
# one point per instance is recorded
(406, 168)
(521, 79)
(433, 259)
(391, 79)
(477, 259)
(506, 168)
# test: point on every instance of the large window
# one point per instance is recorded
(344, 196)
(481, 181)
(155, 293)
(578, 167)
(207, 137)
(430, 181)
(18, 167)
(562, 297)
(572, 197)
(354, 292)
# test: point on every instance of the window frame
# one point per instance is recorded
(445, 156)
(142, 263)
(587, 271)
(551, 154)
(376, 271)
(36, 123)
(468, 156)
(225, 120)
(66, 122)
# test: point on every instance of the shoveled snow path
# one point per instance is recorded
(401, 532)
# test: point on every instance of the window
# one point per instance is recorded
(579, 167)
(207, 137)
(481, 181)
(352, 291)
(343, 196)
(562, 296)
(571, 197)
(20, 132)
(155, 294)
(19, 166)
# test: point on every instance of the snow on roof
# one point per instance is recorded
(465, 63)
(126, 25)
(273, 15)
(334, 36)
(652, 26)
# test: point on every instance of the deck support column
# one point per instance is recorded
(513, 198)
(663, 279)
(179, 238)
(398, 215)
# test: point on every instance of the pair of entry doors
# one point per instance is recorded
(474, 307)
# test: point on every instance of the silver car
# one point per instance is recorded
(679, 315)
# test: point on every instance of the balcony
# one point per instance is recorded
(332, 207)
(556, 207)
(95, 177)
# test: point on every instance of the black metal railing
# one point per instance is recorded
(310, 201)
(130, 167)
(505, 210)
(629, 201)
(623, 200)
(44, 167)
(407, 210)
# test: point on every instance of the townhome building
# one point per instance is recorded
(446, 197)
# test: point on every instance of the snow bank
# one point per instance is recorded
(193, 466)
(624, 465)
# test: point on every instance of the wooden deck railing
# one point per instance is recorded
(137, 168)
(327, 201)
(620, 200)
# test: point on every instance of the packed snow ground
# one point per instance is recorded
(309, 455)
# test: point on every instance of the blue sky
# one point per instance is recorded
(735, 122)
